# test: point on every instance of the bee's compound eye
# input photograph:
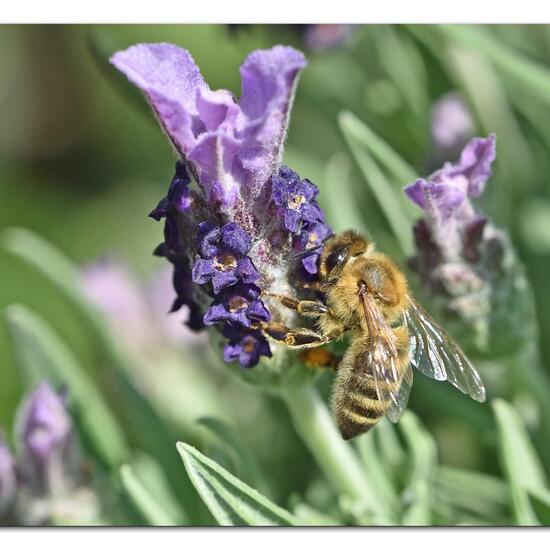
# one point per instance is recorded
(336, 257)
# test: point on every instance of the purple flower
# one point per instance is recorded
(444, 196)
(233, 147)
(223, 257)
(245, 346)
(327, 37)
(238, 305)
(452, 123)
(312, 237)
(7, 477)
(178, 196)
(44, 431)
(234, 231)
(44, 423)
(295, 199)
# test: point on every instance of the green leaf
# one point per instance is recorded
(247, 466)
(533, 76)
(519, 461)
(41, 355)
(540, 501)
(307, 515)
(151, 511)
(47, 260)
(424, 459)
(380, 150)
(378, 475)
(230, 501)
(475, 493)
(393, 203)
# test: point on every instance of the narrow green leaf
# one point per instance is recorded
(479, 494)
(309, 516)
(378, 474)
(160, 484)
(337, 197)
(147, 506)
(540, 501)
(245, 461)
(47, 260)
(424, 459)
(533, 76)
(41, 354)
(392, 201)
(519, 461)
(230, 501)
(382, 151)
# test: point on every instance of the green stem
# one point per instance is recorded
(333, 455)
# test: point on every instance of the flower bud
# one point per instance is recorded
(44, 433)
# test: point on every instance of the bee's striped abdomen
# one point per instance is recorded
(357, 408)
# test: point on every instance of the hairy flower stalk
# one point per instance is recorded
(233, 215)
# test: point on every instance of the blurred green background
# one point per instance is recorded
(82, 162)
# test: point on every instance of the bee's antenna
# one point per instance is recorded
(311, 250)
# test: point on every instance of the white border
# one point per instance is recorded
(267, 539)
(276, 11)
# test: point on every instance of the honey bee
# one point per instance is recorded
(364, 294)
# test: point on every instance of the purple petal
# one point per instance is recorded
(310, 263)
(208, 237)
(292, 220)
(439, 198)
(235, 238)
(246, 272)
(268, 84)
(223, 279)
(203, 270)
(311, 213)
(476, 160)
(308, 190)
(215, 314)
(258, 311)
(171, 80)
(216, 108)
(44, 426)
(215, 158)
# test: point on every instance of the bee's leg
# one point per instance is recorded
(307, 308)
(319, 358)
(297, 338)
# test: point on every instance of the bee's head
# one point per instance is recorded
(338, 250)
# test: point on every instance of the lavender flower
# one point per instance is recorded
(327, 37)
(44, 431)
(461, 256)
(7, 477)
(223, 257)
(296, 200)
(452, 123)
(312, 237)
(48, 463)
(230, 232)
(239, 305)
(247, 347)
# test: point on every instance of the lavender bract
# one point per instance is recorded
(230, 233)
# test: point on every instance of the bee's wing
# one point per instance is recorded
(434, 354)
(392, 378)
